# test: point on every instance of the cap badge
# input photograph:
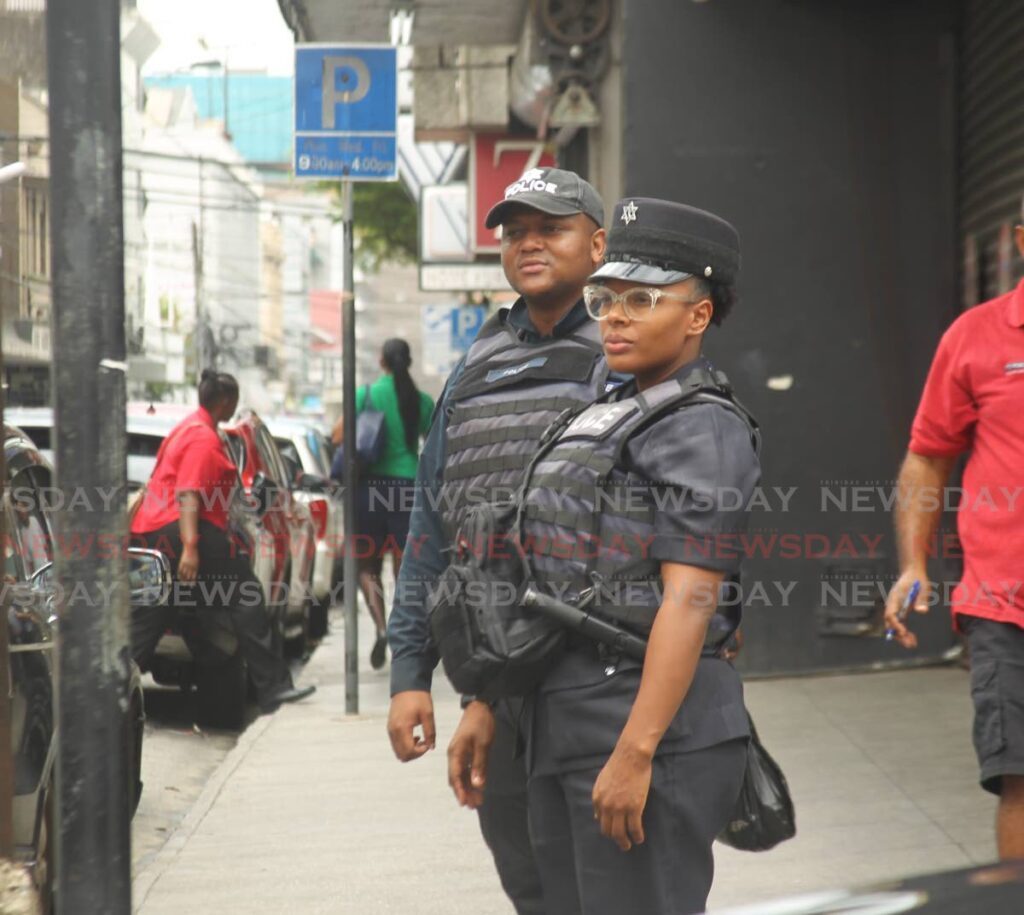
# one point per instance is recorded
(629, 213)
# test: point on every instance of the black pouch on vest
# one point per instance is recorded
(490, 645)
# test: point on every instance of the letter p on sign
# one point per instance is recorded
(355, 79)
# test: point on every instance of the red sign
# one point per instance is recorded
(496, 160)
(325, 321)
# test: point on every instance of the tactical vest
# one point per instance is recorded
(510, 391)
(587, 525)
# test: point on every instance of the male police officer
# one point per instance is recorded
(526, 366)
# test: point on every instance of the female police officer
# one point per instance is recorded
(634, 768)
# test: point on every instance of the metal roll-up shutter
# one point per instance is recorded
(991, 127)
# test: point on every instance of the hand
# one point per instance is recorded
(620, 795)
(467, 754)
(410, 709)
(734, 646)
(898, 596)
(188, 564)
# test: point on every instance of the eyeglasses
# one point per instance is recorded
(637, 303)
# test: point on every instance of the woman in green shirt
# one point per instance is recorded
(384, 497)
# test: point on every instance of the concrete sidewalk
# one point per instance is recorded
(311, 812)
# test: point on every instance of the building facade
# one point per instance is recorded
(871, 156)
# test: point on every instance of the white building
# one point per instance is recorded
(201, 259)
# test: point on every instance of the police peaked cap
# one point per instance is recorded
(661, 242)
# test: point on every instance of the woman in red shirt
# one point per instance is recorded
(184, 514)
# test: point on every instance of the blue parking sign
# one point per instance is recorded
(346, 112)
(466, 323)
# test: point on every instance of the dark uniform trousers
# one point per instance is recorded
(224, 570)
(691, 798)
(575, 720)
(504, 814)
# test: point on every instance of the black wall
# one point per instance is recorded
(825, 131)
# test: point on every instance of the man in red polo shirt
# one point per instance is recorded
(974, 401)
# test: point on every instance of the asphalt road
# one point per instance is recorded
(177, 759)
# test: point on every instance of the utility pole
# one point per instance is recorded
(7, 173)
(201, 333)
(93, 841)
(348, 399)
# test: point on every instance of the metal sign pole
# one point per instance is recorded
(346, 127)
(348, 362)
(93, 848)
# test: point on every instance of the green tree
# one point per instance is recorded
(386, 223)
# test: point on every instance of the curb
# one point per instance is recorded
(144, 881)
(148, 876)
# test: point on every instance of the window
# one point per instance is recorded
(142, 445)
(318, 448)
(272, 460)
(31, 539)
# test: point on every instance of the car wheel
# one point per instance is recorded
(223, 690)
(318, 618)
(296, 646)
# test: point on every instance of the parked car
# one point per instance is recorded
(200, 649)
(266, 482)
(306, 453)
(29, 598)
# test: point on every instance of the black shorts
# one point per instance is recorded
(997, 688)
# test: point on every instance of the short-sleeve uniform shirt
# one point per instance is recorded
(973, 401)
(692, 461)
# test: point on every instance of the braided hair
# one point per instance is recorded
(397, 358)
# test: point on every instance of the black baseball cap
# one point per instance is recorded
(551, 190)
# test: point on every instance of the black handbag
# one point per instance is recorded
(764, 815)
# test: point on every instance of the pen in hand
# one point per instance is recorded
(915, 589)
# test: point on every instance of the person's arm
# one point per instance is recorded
(943, 428)
(918, 510)
(188, 524)
(696, 454)
(413, 658)
(673, 651)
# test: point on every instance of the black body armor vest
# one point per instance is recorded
(587, 525)
(510, 391)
